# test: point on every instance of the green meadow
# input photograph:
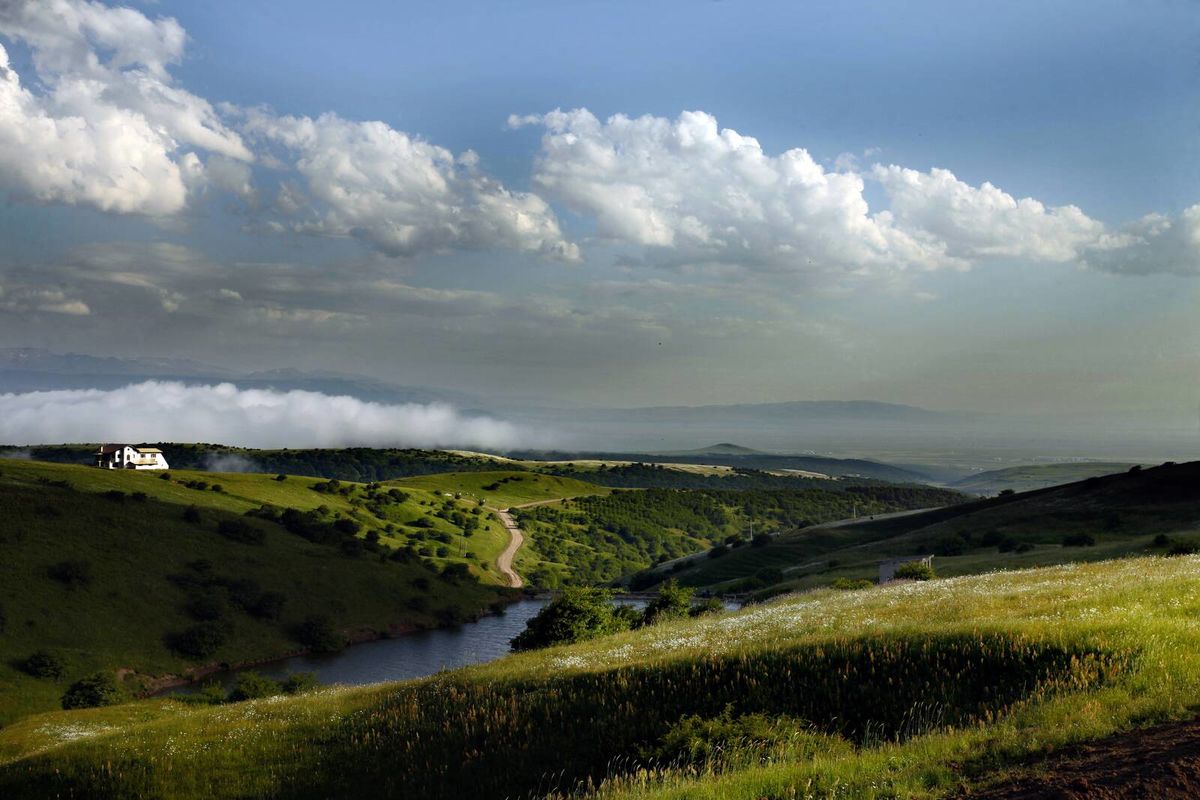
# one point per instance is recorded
(908, 690)
(104, 568)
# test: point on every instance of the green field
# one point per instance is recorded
(148, 574)
(502, 488)
(910, 690)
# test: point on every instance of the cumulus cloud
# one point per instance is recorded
(1154, 244)
(170, 411)
(709, 193)
(980, 222)
(400, 193)
(108, 128)
(690, 191)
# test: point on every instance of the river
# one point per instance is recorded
(411, 656)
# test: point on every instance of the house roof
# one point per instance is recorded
(105, 449)
(147, 450)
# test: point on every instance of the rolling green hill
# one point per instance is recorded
(1119, 515)
(599, 539)
(503, 488)
(1036, 476)
(109, 569)
(917, 690)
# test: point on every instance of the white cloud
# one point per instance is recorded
(107, 128)
(169, 411)
(691, 192)
(32, 299)
(400, 193)
(983, 222)
(1154, 244)
(708, 193)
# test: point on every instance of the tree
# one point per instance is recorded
(250, 686)
(914, 571)
(673, 601)
(576, 615)
(73, 573)
(95, 690)
(43, 664)
(200, 640)
(299, 682)
(319, 635)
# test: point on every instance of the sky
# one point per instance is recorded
(985, 207)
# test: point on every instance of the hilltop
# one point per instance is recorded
(1097, 518)
(1036, 476)
(911, 690)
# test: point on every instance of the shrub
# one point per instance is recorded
(761, 540)
(191, 514)
(139, 497)
(1162, 540)
(250, 686)
(347, 526)
(319, 635)
(95, 690)
(164, 476)
(268, 605)
(673, 601)
(769, 575)
(237, 530)
(74, 573)
(456, 572)
(1182, 549)
(281, 477)
(1079, 540)
(697, 741)
(991, 538)
(710, 605)
(200, 640)
(299, 682)
(915, 571)
(351, 547)
(576, 615)
(1008, 544)
(1024, 547)
(216, 487)
(43, 664)
(206, 606)
(718, 551)
(850, 584)
(115, 495)
(950, 546)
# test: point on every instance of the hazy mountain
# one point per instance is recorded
(30, 369)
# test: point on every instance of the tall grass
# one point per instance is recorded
(909, 690)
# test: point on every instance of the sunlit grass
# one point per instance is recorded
(923, 686)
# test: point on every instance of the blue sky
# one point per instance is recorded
(652, 259)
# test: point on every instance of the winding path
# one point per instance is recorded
(515, 539)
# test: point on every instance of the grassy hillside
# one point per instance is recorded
(1119, 514)
(601, 538)
(503, 488)
(912, 690)
(1035, 476)
(105, 570)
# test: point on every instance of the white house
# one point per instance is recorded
(127, 456)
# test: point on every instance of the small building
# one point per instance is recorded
(887, 569)
(128, 456)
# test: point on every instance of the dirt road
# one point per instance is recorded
(515, 539)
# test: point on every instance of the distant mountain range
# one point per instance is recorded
(28, 369)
